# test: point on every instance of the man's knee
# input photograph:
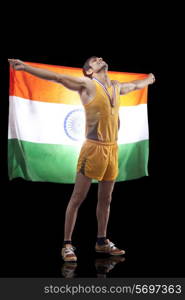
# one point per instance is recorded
(77, 198)
(105, 199)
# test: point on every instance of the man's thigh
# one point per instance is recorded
(82, 184)
(93, 160)
(111, 172)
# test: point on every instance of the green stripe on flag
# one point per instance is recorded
(133, 160)
(57, 163)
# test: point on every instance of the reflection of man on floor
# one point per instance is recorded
(103, 266)
(99, 154)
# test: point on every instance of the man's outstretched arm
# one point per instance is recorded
(127, 87)
(70, 82)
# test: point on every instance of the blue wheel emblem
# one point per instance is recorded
(74, 124)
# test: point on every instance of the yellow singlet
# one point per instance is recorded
(98, 157)
(101, 117)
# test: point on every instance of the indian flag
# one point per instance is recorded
(47, 128)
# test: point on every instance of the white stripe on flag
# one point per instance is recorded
(133, 124)
(53, 123)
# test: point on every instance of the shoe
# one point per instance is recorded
(108, 248)
(68, 253)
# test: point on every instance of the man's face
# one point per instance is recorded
(97, 64)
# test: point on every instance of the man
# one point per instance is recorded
(98, 158)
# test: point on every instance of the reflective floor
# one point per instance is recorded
(142, 222)
(48, 263)
(103, 266)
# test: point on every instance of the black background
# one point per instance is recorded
(146, 216)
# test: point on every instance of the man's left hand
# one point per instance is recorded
(151, 78)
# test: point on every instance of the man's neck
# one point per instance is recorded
(103, 78)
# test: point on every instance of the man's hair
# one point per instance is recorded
(86, 66)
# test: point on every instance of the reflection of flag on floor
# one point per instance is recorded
(47, 125)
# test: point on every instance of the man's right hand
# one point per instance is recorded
(17, 64)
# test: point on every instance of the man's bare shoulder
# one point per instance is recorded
(115, 82)
(88, 81)
(88, 92)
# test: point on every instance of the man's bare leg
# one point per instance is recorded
(104, 245)
(105, 189)
(79, 194)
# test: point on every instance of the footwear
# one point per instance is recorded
(108, 248)
(68, 253)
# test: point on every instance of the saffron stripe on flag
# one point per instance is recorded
(25, 85)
